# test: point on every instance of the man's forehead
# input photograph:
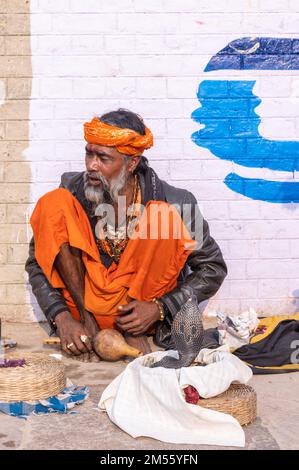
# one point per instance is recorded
(102, 150)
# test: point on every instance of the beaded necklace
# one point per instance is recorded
(114, 247)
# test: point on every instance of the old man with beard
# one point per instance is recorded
(93, 262)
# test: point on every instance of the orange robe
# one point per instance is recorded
(148, 267)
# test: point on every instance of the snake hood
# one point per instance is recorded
(187, 334)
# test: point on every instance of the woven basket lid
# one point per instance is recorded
(238, 401)
(39, 378)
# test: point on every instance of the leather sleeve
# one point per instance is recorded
(207, 266)
(49, 299)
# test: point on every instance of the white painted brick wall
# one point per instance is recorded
(92, 56)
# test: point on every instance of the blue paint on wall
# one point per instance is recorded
(231, 122)
(263, 190)
(257, 53)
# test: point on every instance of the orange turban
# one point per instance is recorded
(125, 141)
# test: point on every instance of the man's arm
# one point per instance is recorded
(206, 263)
(49, 299)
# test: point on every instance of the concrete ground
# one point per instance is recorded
(277, 425)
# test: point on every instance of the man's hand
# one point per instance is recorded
(138, 316)
(69, 331)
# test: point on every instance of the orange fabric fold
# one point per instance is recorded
(148, 267)
(126, 141)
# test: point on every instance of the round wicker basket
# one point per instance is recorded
(41, 377)
(238, 401)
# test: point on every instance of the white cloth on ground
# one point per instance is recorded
(236, 331)
(146, 401)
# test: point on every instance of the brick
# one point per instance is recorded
(52, 6)
(180, 127)
(150, 108)
(237, 269)
(151, 88)
(16, 6)
(18, 213)
(13, 66)
(17, 254)
(148, 23)
(93, 23)
(50, 130)
(17, 172)
(17, 45)
(150, 44)
(182, 87)
(104, 66)
(18, 88)
(17, 130)
(215, 210)
(162, 169)
(12, 151)
(51, 44)
(17, 294)
(3, 254)
(294, 247)
(85, 45)
(2, 213)
(14, 109)
(18, 192)
(204, 23)
(119, 87)
(276, 269)
(275, 249)
(243, 249)
(244, 210)
(17, 24)
(56, 88)
(258, 23)
(275, 87)
(117, 44)
(19, 313)
(273, 288)
(189, 170)
(157, 126)
(48, 171)
(154, 66)
(99, 6)
(278, 128)
(2, 45)
(12, 274)
(243, 289)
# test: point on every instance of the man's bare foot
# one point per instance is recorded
(139, 342)
(87, 357)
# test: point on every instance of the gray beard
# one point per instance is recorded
(105, 192)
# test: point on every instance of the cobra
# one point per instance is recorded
(187, 333)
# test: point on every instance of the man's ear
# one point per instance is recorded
(134, 162)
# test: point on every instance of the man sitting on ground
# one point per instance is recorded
(92, 262)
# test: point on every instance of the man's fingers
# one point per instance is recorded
(80, 346)
(127, 319)
(127, 307)
(70, 347)
(65, 349)
(86, 342)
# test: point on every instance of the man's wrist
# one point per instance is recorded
(60, 317)
(161, 309)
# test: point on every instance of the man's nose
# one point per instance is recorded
(93, 164)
